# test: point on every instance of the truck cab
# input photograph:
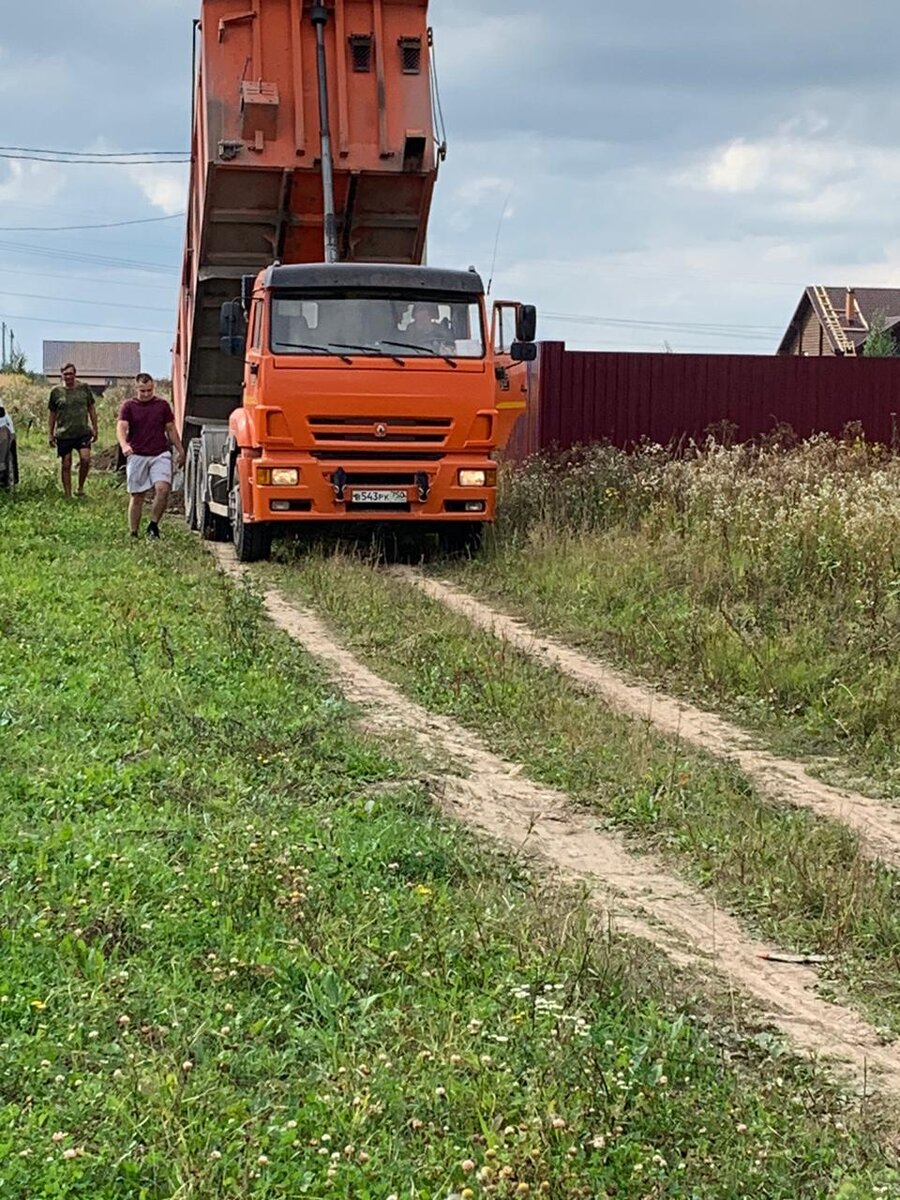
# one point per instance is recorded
(370, 392)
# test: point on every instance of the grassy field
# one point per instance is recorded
(242, 956)
(796, 879)
(764, 581)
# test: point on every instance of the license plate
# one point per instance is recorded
(378, 496)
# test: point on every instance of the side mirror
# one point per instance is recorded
(523, 351)
(526, 323)
(232, 329)
(247, 284)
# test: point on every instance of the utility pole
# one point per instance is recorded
(3, 360)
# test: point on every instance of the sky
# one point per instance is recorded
(652, 176)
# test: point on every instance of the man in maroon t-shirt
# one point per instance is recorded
(146, 431)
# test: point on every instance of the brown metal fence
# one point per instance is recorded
(587, 396)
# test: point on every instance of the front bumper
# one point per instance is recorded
(334, 490)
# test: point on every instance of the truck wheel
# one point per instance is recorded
(213, 528)
(191, 502)
(460, 539)
(251, 542)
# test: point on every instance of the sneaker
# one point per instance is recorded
(153, 531)
(134, 534)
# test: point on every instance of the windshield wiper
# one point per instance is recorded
(316, 350)
(372, 350)
(428, 350)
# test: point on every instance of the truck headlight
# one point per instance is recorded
(285, 476)
(471, 478)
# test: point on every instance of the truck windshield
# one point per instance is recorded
(377, 325)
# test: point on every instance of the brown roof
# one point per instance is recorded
(868, 303)
(104, 360)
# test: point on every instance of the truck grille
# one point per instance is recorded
(376, 453)
(415, 431)
(380, 478)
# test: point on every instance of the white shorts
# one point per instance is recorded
(144, 471)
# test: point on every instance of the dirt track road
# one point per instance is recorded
(877, 822)
(639, 895)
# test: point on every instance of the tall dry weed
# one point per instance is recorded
(767, 574)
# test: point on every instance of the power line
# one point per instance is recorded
(90, 259)
(93, 153)
(727, 326)
(127, 283)
(658, 348)
(94, 303)
(94, 162)
(80, 324)
(101, 225)
(747, 333)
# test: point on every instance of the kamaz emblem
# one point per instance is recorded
(381, 431)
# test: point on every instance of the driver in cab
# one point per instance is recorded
(427, 330)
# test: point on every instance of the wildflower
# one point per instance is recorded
(467, 1165)
(362, 1157)
(187, 1067)
(741, 1128)
(59, 1136)
(124, 1020)
(215, 1155)
(558, 1123)
(440, 1092)
(262, 1161)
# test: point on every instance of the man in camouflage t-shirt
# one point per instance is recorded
(73, 426)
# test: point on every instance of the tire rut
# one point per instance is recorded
(638, 894)
(784, 779)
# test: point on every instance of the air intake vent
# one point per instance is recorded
(411, 55)
(361, 52)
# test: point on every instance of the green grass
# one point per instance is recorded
(764, 582)
(794, 878)
(241, 955)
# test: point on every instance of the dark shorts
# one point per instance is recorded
(65, 446)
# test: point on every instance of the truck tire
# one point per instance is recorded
(191, 498)
(213, 528)
(251, 542)
(460, 539)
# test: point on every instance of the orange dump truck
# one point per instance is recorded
(321, 373)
